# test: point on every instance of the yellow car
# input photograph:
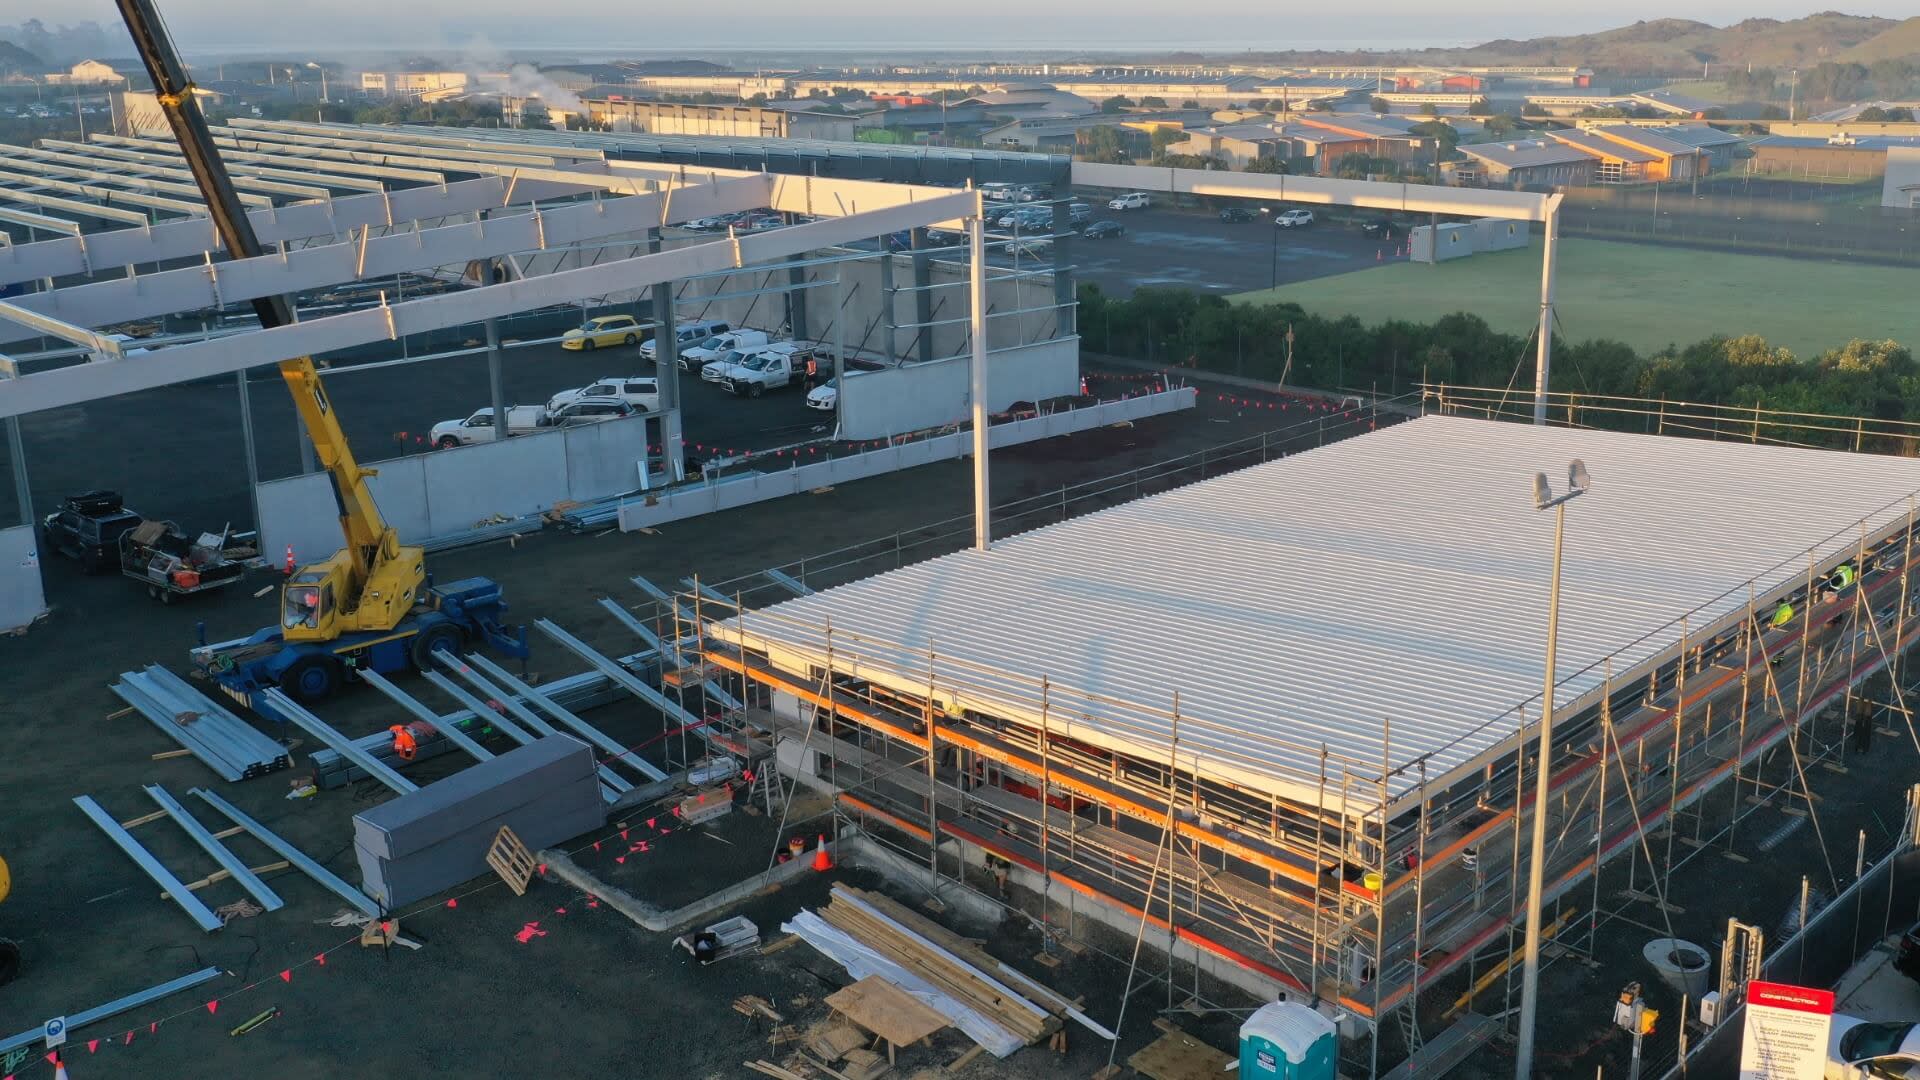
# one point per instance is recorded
(605, 330)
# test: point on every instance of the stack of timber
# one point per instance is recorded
(950, 963)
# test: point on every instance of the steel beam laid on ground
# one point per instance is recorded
(326, 878)
(161, 876)
(441, 725)
(615, 784)
(707, 591)
(224, 742)
(229, 862)
(114, 1008)
(285, 707)
(787, 582)
(559, 712)
(619, 675)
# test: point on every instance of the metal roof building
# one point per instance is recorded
(1383, 597)
(1319, 680)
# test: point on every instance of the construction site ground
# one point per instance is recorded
(585, 991)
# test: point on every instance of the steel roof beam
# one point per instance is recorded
(365, 257)
(71, 206)
(40, 221)
(107, 194)
(413, 136)
(155, 172)
(1371, 194)
(340, 162)
(193, 360)
(191, 239)
(29, 161)
(414, 148)
(166, 160)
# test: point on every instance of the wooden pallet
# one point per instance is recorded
(511, 860)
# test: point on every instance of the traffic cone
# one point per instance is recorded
(59, 1068)
(289, 560)
(822, 860)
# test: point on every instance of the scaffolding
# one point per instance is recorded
(1384, 878)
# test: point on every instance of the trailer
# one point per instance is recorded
(159, 555)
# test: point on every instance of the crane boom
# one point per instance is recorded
(371, 583)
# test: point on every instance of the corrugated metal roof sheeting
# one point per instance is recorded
(1386, 589)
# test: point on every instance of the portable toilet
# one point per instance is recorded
(1286, 1040)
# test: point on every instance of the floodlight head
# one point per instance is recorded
(1577, 477)
(1542, 492)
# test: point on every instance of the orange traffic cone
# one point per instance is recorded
(59, 1067)
(289, 560)
(822, 860)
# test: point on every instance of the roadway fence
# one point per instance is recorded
(1752, 214)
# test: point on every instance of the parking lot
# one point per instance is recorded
(176, 452)
(1194, 249)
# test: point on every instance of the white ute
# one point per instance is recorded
(699, 356)
(771, 368)
(640, 391)
(478, 428)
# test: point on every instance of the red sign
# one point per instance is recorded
(1797, 998)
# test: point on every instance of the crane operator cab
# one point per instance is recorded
(307, 603)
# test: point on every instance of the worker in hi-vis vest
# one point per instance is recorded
(1842, 576)
(1782, 615)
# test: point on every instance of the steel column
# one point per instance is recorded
(922, 294)
(17, 455)
(246, 439)
(1549, 252)
(887, 319)
(977, 295)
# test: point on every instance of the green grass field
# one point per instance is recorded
(1644, 295)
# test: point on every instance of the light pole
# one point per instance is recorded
(1543, 498)
(1273, 224)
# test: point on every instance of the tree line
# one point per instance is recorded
(1176, 327)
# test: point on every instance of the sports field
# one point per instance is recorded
(1645, 295)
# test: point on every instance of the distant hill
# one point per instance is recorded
(1678, 44)
(15, 60)
(1902, 42)
(1675, 46)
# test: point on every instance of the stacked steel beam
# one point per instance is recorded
(224, 742)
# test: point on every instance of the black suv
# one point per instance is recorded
(88, 527)
(1380, 230)
(1234, 214)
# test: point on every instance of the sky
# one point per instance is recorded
(1007, 26)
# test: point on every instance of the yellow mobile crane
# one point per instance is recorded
(370, 604)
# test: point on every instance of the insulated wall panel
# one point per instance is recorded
(22, 598)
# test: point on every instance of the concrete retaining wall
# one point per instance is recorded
(447, 491)
(22, 598)
(726, 494)
(920, 396)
